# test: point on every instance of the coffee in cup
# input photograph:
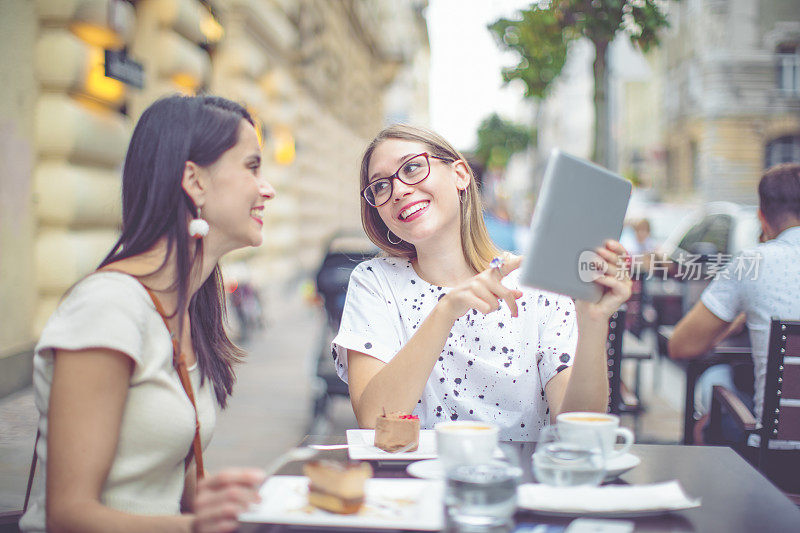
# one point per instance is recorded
(465, 442)
(574, 426)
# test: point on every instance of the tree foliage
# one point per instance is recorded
(541, 44)
(542, 34)
(498, 140)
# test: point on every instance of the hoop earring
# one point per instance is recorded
(198, 227)
(388, 238)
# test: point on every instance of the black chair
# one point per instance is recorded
(620, 399)
(781, 413)
(344, 251)
(9, 521)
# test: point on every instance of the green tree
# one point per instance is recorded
(498, 140)
(541, 38)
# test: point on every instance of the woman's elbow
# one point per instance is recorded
(65, 516)
(679, 348)
(57, 521)
(364, 420)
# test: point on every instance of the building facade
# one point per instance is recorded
(321, 77)
(731, 95)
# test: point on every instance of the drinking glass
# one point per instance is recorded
(564, 462)
(483, 496)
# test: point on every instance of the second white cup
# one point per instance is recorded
(465, 443)
(575, 425)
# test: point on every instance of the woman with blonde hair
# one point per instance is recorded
(423, 329)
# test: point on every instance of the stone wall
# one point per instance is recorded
(314, 74)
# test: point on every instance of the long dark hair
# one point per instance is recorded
(169, 133)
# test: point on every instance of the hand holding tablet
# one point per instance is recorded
(580, 207)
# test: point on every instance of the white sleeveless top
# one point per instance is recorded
(112, 310)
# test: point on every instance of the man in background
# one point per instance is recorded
(773, 292)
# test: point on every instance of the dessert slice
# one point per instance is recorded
(335, 486)
(397, 432)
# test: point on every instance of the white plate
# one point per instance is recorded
(362, 447)
(414, 503)
(619, 465)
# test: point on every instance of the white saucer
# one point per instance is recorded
(432, 468)
(617, 466)
(428, 469)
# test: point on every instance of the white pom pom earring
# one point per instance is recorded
(198, 227)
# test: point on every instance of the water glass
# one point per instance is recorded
(482, 497)
(563, 462)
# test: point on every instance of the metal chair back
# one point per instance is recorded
(781, 417)
(616, 329)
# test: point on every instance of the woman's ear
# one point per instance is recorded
(193, 183)
(462, 175)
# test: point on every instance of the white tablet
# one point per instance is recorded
(580, 206)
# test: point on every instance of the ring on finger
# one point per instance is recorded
(497, 264)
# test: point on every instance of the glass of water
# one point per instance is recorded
(482, 497)
(563, 462)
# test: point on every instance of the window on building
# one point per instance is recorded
(783, 150)
(788, 69)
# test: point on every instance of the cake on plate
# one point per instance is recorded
(397, 432)
(335, 486)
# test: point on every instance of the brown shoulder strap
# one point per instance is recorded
(179, 362)
(31, 472)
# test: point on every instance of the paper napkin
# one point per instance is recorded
(668, 496)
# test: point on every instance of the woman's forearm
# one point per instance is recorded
(93, 517)
(398, 386)
(587, 389)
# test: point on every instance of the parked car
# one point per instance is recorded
(663, 217)
(716, 228)
(699, 246)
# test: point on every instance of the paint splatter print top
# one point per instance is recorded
(492, 368)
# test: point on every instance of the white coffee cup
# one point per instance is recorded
(465, 442)
(575, 426)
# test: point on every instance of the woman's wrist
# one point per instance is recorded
(591, 313)
(443, 310)
(190, 519)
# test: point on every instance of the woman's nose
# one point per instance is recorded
(266, 189)
(400, 189)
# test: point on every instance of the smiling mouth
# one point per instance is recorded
(258, 214)
(412, 210)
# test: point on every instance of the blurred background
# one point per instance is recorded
(689, 100)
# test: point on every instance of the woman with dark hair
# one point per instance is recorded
(128, 368)
(423, 329)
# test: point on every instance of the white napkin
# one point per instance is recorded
(668, 496)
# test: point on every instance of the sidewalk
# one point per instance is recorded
(271, 405)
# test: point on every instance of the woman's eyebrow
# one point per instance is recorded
(253, 158)
(399, 160)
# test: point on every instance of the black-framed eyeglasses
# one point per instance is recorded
(414, 170)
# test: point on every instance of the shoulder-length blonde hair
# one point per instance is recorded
(478, 248)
